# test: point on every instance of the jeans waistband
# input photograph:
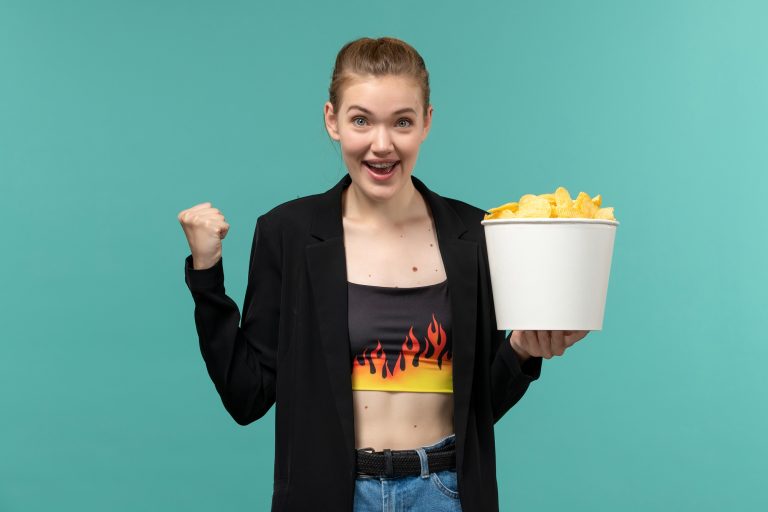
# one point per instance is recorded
(442, 443)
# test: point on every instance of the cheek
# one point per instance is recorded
(353, 144)
(410, 146)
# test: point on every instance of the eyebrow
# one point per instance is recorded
(401, 111)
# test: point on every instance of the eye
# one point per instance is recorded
(356, 119)
(404, 123)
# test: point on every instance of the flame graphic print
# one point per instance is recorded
(417, 366)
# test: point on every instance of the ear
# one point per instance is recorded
(427, 124)
(331, 121)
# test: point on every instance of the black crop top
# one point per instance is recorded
(400, 338)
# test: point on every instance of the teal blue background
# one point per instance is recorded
(115, 116)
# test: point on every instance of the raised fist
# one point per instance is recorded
(205, 228)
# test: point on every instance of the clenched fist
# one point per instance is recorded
(205, 228)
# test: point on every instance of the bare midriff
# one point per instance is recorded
(401, 420)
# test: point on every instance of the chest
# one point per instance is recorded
(403, 257)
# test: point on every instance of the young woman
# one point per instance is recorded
(368, 316)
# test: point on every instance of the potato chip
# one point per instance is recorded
(533, 207)
(562, 197)
(550, 198)
(556, 205)
(584, 204)
(508, 206)
(605, 213)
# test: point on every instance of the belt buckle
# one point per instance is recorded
(368, 450)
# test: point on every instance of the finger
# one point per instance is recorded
(558, 342)
(206, 213)
(545, 343)
(574, 336)
(214, 224)
(532, 343)
(519, 339)
(197, 213)
(193, 209)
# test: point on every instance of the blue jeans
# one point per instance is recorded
(428, 492)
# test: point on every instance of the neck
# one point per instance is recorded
(357, 206)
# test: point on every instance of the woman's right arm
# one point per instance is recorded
(241, 357)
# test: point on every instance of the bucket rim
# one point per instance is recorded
(552, 220)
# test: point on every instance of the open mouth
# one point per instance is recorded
(382, 168)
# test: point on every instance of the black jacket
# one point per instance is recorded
(292, 348)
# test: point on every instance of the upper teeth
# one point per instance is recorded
(381, 166)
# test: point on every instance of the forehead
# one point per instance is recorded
(382, 93)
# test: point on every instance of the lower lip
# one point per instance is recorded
(382, 177)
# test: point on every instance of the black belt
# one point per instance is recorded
(394, 463)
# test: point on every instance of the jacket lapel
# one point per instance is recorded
(327, 268)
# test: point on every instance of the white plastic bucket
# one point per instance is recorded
(550, 273)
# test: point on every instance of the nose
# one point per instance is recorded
(382, 141)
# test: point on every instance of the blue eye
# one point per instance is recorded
(408, 121)
(355, 119)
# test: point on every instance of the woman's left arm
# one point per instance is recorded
(518, 363)
(511, 374)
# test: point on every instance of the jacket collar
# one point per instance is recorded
(327, 221)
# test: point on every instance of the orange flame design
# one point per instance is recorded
(412, 367)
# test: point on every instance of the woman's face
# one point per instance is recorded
(380, 126)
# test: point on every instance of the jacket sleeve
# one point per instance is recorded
(241, 359)
(509, 380)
